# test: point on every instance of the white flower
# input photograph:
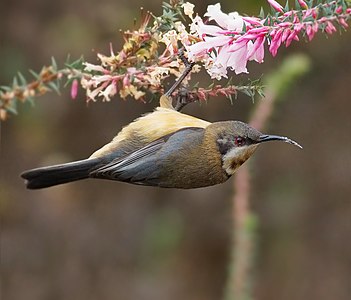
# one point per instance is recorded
(91, 67)
(100, 78)
(170, 38)
(91, 94)
(109, 91)
(188, 9)
(198, 26)
(232, 21)
(157, 74)
(183, 35)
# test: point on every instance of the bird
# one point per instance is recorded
(164, 148)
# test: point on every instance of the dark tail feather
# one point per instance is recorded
(54, 175)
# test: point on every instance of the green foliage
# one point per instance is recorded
(253, 88)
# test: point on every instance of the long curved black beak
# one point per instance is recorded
(268, 137)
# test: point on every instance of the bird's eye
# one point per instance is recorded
(239, 141)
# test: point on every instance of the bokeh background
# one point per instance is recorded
(108, 240)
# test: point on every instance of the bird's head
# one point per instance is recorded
(237, 141)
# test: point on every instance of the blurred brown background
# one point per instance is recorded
(108, 240)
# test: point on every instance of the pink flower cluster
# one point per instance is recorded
(226, 45)
(234, 40)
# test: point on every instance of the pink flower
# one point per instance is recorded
(303, 4)
(339, 10)
(276, 42)
(275, 5)
(315, 27)
(252, 21)
(290, 38)
(209, 43)
(285, 35)
(238, 57)
(225, 45)
(330, 28)
(126, 80)
(74, 89)
(256, 50)
(314, 13)
(233, 56)
(343, 23)
(310, 32)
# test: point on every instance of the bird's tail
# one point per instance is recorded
(48, 176)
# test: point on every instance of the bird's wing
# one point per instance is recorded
(143, 165)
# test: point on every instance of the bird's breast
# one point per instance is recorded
(195, 163)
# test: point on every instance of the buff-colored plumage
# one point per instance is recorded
(151, 127)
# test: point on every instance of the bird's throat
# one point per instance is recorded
(235, 157)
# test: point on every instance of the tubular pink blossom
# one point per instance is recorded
(298, 27)
(307, 13)
(290, 38)
(303, 4)
(232, 56)
(285, 34)
(262, 30)
(330, 28)
(253, 21)
(220, 64)
(256, 51)
(126, 80)
(275, 5)
(315, 27)
(74, 89)
(339, 10)
(273, 32)
(310, 32)
(237, 45)
(314, 13)
(248, 37)
(288, 13)
(343, 23)
(238, 59)
(209, 43)
(284, 24)
(276, 42)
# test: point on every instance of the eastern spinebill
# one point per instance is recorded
(164, 148)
